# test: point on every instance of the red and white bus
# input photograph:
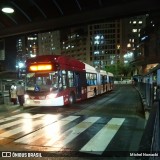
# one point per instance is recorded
(54, 80)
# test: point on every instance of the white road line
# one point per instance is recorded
(25, 128)
(11, 118)
(101, 140)
(23, 115)
(7, 119)
(26, 117)
(72, 133)
(48, 131)
(11, 124)
(27, 125)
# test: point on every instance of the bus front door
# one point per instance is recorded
(78, 85)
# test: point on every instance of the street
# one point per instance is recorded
(108, 125)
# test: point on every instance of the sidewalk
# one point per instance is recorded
(7, 109)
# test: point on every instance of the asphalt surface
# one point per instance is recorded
(124, 105)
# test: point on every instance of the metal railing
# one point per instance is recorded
(150, 142)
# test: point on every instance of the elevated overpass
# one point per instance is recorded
(37, 16)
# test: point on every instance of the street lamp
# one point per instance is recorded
(128, 57)
(7, 10)
(20, 66)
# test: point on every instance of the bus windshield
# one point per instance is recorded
(42, 81)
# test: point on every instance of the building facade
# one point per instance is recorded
(105, 40)
(49, 43)
(2, 55)
(131, 29)
(74, 43)
(100, 44)
(147, 55)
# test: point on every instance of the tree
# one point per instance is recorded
(120, 69)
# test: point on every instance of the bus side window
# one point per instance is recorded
(64, 79)
(87, 82)
(95, 79)
(88, 79)
(70, 78)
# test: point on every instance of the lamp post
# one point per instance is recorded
(20, 65)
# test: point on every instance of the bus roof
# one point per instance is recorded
(103, 72)
(63, 62)
(110, 74)
(90, 68)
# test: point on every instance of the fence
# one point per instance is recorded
(150, 141)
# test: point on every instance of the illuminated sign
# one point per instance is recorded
(40, 67)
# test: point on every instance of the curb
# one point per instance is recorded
(146, 108)
(7, 109)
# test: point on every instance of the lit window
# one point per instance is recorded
(140, 22)
(134, 22)
(134, 30)
(96, 42)
(128, 45)
(96, 52)
(97, 37)
(132, 40)
(118, 46)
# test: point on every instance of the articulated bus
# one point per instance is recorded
(54, 80)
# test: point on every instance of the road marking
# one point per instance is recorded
(23, 115)
(72, 133)
(48, 131)
(101, 140)
(22, 121)
(28, 115)
(27, 125)
(11, 118)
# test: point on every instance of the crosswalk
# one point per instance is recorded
(61, 132)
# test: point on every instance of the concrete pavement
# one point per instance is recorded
(9, 108)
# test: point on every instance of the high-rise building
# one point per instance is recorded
(32, 45)
(27, 47)
(99, 44)
(131, 28)
(104, 43)
(2, 50)
(49, 43)
(74, 43)
(2, 54)
(147, 54)
(21, 50)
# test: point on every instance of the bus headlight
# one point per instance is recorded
(26, 96)
(50, 96)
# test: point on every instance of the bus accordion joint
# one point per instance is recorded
(40, 67)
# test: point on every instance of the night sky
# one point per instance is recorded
(10, 52)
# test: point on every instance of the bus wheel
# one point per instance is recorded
(71, 99)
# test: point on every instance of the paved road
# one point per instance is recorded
(97, 128)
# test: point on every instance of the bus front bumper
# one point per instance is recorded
(47, 102)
